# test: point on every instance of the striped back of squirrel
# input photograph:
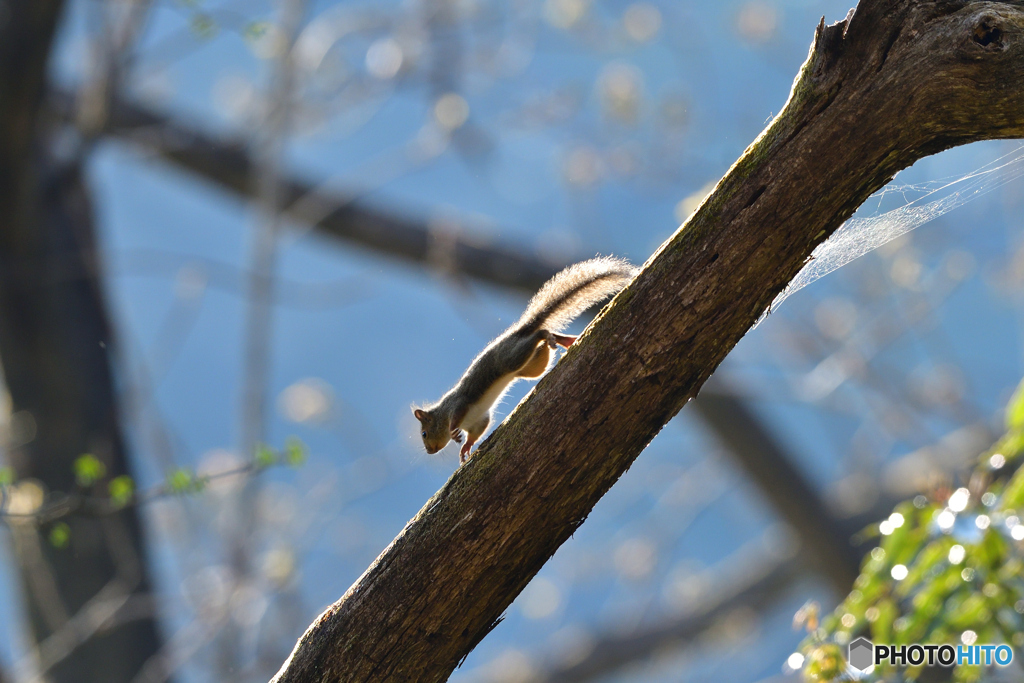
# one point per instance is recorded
(573, 290)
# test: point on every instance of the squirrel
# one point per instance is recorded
(521, 351)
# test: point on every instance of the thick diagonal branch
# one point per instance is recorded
(898, 81)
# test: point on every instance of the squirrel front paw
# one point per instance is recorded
(457, 435)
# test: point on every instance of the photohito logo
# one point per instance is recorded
(862, 655)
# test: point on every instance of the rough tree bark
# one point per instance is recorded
(53, 344)
(894, 82)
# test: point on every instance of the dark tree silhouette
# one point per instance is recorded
(55, 346)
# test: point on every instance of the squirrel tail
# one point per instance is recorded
(574, 290)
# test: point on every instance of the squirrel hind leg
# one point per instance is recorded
(554, 340)
(564, 340)
(537, 364)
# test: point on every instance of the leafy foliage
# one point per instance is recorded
(184, 480)
(255, 30)
(60, 535)
(294, 452)
(948, 569)
(265, 456)
(88, 470)
(203, 26)
(122, 490)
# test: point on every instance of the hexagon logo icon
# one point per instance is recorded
(861, 654)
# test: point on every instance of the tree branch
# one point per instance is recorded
(826, 539)
(228, 163)
(896, 82)
(757, 581)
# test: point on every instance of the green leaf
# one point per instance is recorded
(1015, 409)
(993, 549)
(1010, 570)
(825, 663)
(966, 673)
(972, 613)
(934, 593)
(203, 26)
(6, 476)
(265, 456)
(180, 481)
(60, 535)
(256, 29)
(904, 543)
(121, 490)
(88, 469)
(294, 452)
(1010, 445)
(881, 628)
(1013, 495)
(925, 563)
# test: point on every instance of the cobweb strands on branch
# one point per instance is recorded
(863, 234)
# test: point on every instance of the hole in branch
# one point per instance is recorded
(757, 195)
(987, 33)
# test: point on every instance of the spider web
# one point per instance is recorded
(924, 203)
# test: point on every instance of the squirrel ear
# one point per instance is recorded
(419, 414)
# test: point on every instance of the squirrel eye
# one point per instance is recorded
(424, 435)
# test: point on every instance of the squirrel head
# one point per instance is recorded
(434, 429)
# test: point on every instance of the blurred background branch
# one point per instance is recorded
(228, 164)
